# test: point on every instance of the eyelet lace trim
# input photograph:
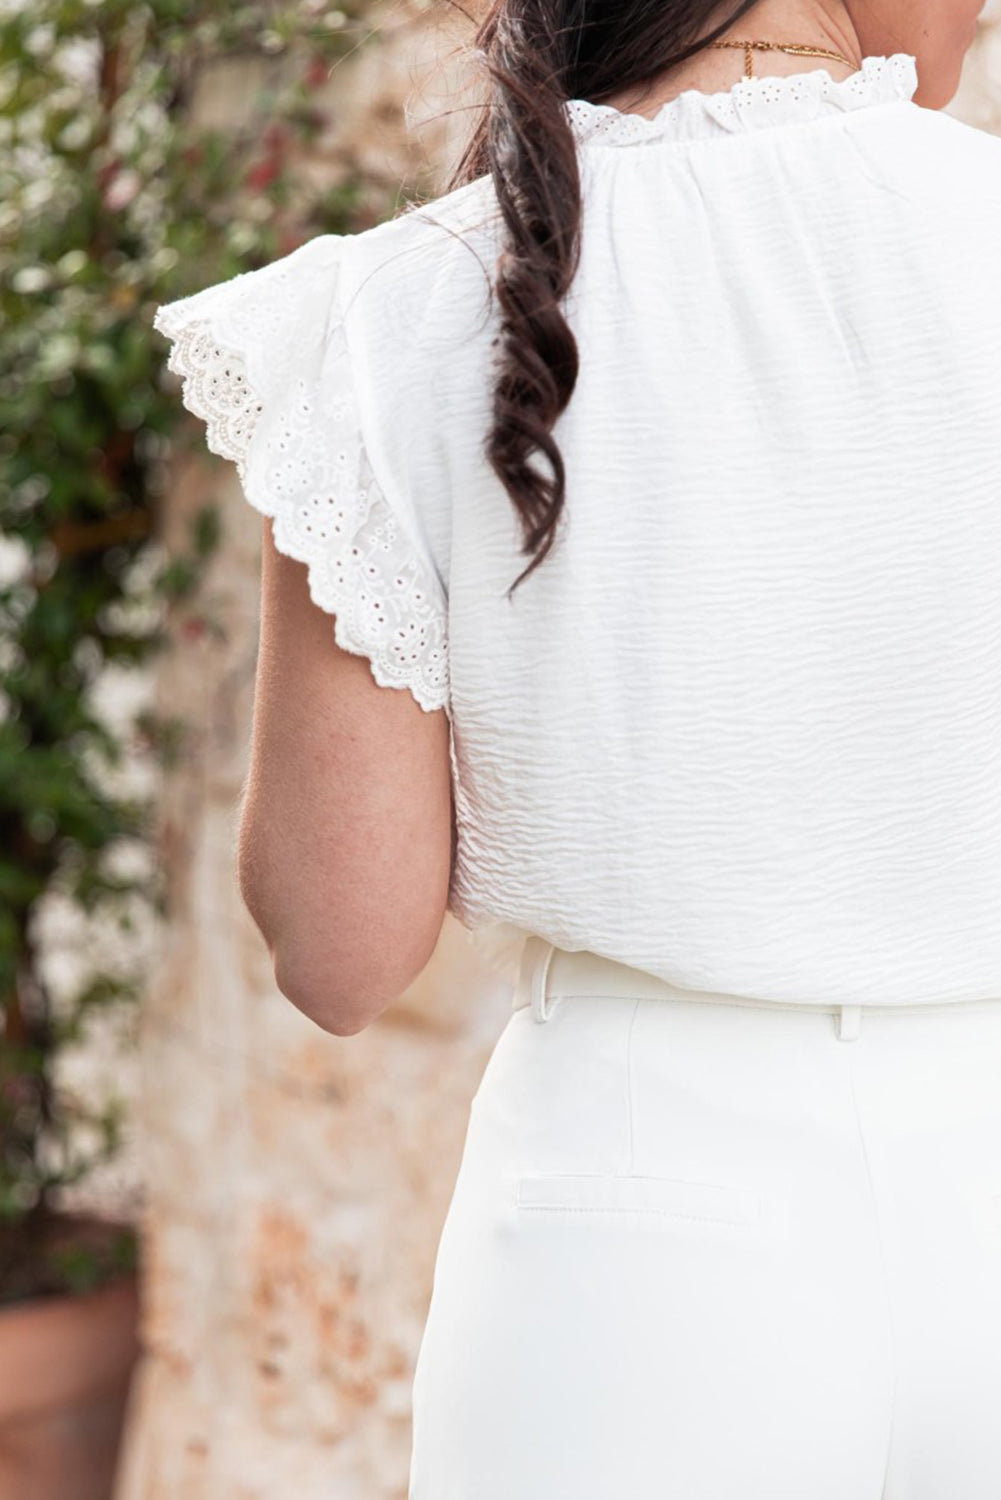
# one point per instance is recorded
(751, 103)
(304, 465)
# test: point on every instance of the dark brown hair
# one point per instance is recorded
(538, 54)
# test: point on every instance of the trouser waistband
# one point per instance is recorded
(549, 974)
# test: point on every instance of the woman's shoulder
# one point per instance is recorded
(927, 186)
(948, 154)
(425, 234)
(462, 210)
(421, 279)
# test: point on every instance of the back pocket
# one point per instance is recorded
(628, 1193)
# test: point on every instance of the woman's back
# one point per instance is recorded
(758, 678)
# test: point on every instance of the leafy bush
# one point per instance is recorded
(112, 199)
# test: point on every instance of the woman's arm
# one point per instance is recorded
(345, 835)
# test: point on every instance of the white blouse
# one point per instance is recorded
(742, 728)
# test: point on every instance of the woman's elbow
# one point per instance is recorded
(342, 989)
(342, 1009)
(343, 973)
(316, 985)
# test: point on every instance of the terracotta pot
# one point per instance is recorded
(65, 1367)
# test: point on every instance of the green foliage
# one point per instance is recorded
(113, 199)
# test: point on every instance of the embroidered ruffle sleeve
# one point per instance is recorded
(264, 361)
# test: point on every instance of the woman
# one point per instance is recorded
(709, 332)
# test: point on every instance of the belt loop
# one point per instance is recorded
(849, 1020)
(532, 976)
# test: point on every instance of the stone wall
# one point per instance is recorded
(297, 1182)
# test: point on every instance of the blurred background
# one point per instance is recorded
(217, 1222)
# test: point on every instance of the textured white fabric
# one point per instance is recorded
(706, 1250)
(742, 728)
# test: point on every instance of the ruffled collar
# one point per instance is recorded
(750, 104)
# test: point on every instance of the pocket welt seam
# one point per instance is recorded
(597, 1193)
(665, 1213)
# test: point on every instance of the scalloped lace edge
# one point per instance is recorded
(878, 80)
(230, 424)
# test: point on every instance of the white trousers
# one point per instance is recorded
(705, 1248)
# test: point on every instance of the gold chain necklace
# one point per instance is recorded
(792, 47)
